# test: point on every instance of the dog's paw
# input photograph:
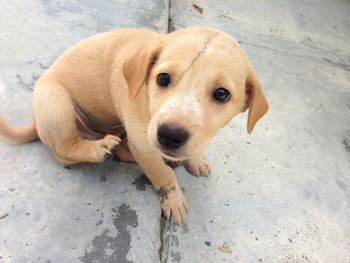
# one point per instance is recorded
(198, 167)
(173, 203)
(106, 147)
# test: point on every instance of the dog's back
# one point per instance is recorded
(84, 71)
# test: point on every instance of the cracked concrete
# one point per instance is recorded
(281, 194)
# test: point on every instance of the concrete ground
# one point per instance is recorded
(281, 194)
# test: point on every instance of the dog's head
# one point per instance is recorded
(197, 80)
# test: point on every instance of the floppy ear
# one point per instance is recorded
(256, 100)
(137, 67)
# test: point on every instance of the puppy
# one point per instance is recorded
(144, 97)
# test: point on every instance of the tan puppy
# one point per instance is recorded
(166, 94)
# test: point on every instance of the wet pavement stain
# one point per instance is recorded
(141, 182)
(341, 184)
(105, 248)
(346, 144)
(100, 222)
(176, 256)
(103, 178)
(23, 84)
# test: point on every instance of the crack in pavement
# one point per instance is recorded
(342, 65)
(169, 241)
(164, 230)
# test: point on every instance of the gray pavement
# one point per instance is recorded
(281, 194)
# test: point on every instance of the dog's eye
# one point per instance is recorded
(163, 79)
(221, 95)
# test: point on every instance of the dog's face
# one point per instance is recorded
(198, 80)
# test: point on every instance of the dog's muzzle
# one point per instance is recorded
(172, 137)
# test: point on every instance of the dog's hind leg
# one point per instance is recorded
(124, 154)
(55, 120)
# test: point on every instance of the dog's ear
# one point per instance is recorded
(255, 100)
(137, 67)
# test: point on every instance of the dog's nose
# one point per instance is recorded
(172, 137)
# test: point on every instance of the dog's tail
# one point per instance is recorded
(18, 135)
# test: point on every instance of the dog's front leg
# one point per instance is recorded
(172, 200)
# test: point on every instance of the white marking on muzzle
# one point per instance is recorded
(186, 104)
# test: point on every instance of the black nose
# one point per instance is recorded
(172, 137)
